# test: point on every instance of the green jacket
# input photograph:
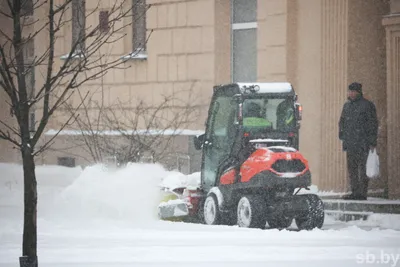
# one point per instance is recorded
(256, 122)
(285, 115)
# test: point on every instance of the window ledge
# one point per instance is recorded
(73, 56)
(136, 55)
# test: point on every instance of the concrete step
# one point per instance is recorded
(346, 210)
(348, 215)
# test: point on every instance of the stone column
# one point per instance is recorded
(334, 74)
(276, 38)
(392, 25)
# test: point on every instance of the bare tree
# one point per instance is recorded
(59, 80)
(131, 131)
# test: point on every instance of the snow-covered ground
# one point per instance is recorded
(98, 217)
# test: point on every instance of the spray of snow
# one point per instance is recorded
(129, 194)
(94, 195)
(177, 180)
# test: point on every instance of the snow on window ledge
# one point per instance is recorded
(77, 54)
(139, 54)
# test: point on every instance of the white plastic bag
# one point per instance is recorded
(373, 164)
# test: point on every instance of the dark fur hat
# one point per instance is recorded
(356, 87)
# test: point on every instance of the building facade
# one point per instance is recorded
(320, 46)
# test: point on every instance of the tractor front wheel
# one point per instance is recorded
(212, 215)
(250, 212)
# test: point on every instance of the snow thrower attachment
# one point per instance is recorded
(172, 206)
(251, 168)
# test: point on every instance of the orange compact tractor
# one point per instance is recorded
(251, 169)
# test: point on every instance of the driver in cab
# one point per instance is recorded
(253, 116)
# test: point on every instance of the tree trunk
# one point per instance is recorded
(29, 243)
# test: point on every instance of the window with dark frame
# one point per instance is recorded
(30, 89)
(32, 119)
(30, 82)
(139, 10)
(1, 77)
(78, 25)
(27, 7)
(66, 161)
(104, 26)
(244, 40)
(29, 60)
(28, 50)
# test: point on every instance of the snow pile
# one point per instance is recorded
(11, 184)
(128, 194)
(176, 180)
(388, 221)
(50, 180)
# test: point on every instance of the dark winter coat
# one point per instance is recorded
(358, 125)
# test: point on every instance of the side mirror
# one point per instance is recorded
(298, 111)
(238, 100)
(198, 141)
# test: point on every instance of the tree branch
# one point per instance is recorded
(72, 116)
(7, 136)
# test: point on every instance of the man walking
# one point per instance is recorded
(358, 131)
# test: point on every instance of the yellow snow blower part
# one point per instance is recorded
(171, 207)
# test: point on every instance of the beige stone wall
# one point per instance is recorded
(176, 151)
(180, 56)
(309, 84)
(222, 33)
(272, 40)
(395, 6)
(334, 40)
(7, 151)
(182, 51)
(392, 26)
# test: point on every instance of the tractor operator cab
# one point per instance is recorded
(269, 116)
(263, 113)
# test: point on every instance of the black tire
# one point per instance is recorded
(211, 213)
(315, 216)
(280, 222)
(251, 212)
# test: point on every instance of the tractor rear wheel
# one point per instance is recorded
(314, 217)
(251, 212)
